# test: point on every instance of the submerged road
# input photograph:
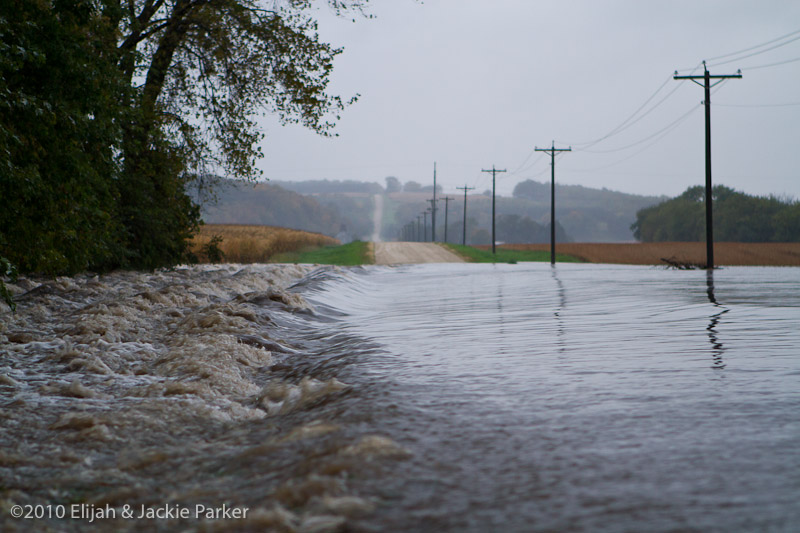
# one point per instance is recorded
(394, 253)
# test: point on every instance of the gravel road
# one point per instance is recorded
(393, 253)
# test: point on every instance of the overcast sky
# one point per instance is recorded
(475, 83)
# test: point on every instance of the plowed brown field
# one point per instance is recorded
(652, 253)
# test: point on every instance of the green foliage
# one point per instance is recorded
(212, 251)
(110, 110)
(351, 254)
(7, 271)
(738, 217)
(57, 132)
(503, 255)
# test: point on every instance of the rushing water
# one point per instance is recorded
(422, 398)
(577, 398)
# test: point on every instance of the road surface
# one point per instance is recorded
(394, 253)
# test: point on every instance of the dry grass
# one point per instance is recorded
(255, 244)
(651, 253)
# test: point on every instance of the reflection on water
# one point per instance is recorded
(562, 303)
(581, 398)
(718, 348)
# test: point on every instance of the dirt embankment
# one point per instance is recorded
(393, 253)
(652, 253)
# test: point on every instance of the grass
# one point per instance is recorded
(689, 253)
(253, 244)
(507, 255)
(354, 253)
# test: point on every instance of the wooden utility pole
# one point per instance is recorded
(494, 171)
(707, 85)
(446, 201)
(432, 210)
(465, 189)
(425, 226)
(419, 228)
(433, 206)
(553, 151)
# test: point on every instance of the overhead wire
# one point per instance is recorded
(787, 104)
(776, 39)
(645, 139)
(663, 134)
(773, 64)
(638, 114)
(739, 58)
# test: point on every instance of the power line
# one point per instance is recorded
(637, 152)
(632, 119)
(645, 139)
(739, 58)
(754, 47)
(774, 64)
(758, 105)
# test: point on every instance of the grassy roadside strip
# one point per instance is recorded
(354, 253)
(475, 255)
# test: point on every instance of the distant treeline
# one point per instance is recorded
(738, 217)
(273, 205)
(330, 186)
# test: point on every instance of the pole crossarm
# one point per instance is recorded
(553, 151)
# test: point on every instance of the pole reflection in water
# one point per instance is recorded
(562, 303)
(717, 347)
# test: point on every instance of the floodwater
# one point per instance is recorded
(582, 397)
(441, 397)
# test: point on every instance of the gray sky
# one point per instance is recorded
(475, 83)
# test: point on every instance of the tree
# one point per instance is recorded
(392, 184)
(198, 71)
(58, 129)
(111, 109)
(738, 217)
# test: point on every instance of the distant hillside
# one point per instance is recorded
(583, 214)
(271, 205)
(587, 214)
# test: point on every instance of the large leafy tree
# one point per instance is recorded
(198, 72)
(154, 96)
(58, 129)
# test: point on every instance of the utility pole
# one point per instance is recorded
(425, 226)
(433, 206)
(465, 189)
(432, 209)
(446, 200)
(553, 151)
(419, 227)
(707, 85)
(494, 171)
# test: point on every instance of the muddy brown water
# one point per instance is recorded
(443, 397)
